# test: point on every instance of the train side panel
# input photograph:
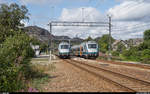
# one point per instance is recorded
(86, 50)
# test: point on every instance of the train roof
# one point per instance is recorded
(91, 42)
(64, 43)
(83, 43)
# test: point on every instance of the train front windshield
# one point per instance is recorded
(93, 46)
(64, 46)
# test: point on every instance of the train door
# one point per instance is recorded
(81, 50)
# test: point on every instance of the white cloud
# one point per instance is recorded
(131, 11)
(122, 29)
(24, 22)
(134, 0)
(89, 14)
(127, 29)
(130, 18)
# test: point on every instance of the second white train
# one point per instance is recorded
(88, 49)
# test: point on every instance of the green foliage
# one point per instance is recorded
(120, 47)
(11, 15)
(141, 52)
(132, 54)
(147, 35)
(43, 47)
(115, 53)
(137, 54)
(88, 39)
(104, 43)
(35, 41)
(146, 56)
(14, 56)
(15, 50)
(144, 45)
(10, 19)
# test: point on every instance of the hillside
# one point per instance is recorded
(44, 36)
(39, 33)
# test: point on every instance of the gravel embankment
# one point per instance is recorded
(140, 73)
(68, 78)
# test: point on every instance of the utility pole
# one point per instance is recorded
(52, 12)
(82, 14)
(109, 37)
(50, 58)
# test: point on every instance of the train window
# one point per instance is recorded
(64, 46)
(91, 45)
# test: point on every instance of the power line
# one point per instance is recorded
(131, 30)
(132, 26)
(143, 27)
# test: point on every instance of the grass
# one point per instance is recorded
(39, 81)
(39, 74)
(44, 68)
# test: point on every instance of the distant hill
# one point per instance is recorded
(41, 34)
(44, 36)
(61, 38)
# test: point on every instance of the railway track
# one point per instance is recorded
(123, 81)
(126, 64)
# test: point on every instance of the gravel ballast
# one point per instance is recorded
(68, 78)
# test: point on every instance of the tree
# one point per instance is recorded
(147, 35)
(89, 39)
(120, 47)
(15, 49)
(132, 54)
(144, 45)
(43, 47)
(104, 43)
(14, 62)
(10, 19)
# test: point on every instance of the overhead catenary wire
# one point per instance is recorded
(133, 28)
(132, 25)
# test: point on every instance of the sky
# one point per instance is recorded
(130, 18)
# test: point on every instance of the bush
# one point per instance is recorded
(146, 56)
(132, 54)
(147, 35)
(115, 53)
(15, 54)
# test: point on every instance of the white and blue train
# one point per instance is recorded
(64, 50)
(87, 50)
